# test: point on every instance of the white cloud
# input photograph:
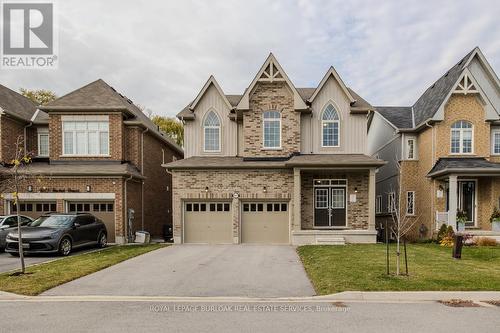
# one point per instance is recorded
(160, 53)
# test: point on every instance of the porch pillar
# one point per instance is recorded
(296, 199)
(371, 200)
(453, 201)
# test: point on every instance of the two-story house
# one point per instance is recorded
(95, 151)
(277, 164)
(446, 150)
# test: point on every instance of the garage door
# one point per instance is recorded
(208, 222)
(104, 210)
(34, 209)
(265, 222)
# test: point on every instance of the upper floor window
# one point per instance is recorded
(87, 138)
(272, 129)
(43, 142)
(330, 125)
(410, 148)
(378, 204)
(391, 202)
(410, 203)
(461, 137)
(211, 132)
(495, 144)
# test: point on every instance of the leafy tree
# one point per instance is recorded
(39, 96)
(170, 126)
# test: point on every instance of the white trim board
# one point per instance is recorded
(62, 196)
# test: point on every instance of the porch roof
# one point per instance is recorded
(463, 165)
(232, 162)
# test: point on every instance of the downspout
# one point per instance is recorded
(434, 180)
(142, 181)
(125, 223)
(25, 131)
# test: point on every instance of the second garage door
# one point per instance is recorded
(103, 210)
(265, 222)
(208, 222)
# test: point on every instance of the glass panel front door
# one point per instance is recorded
(329, 207)
(467, 200)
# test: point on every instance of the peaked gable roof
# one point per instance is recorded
(16, 105)
(332, 73)
(211, 81)
(271, 62)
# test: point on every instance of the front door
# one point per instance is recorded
(329, 207)
(467, 200)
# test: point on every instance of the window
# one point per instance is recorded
(330, 125)
(410, 203)
(391, 200)
(338, 199)
(410, 149)
(43, 142)
(211, 132)
(496, 142)
(272, 129)
(461, 137)
(378, 204)
(86, 138)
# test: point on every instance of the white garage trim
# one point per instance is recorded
(63, 196)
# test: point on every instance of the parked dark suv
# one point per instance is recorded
(58, 233)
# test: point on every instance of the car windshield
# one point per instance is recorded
(38, 221)
(57, 221)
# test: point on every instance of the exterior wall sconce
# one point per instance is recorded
(265, 189)
(355, 190)
(88, 188)
(30, 188)
(206, 189)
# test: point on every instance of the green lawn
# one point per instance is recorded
(363, 268)
(49, 275)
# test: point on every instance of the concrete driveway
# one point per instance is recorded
(200, 270)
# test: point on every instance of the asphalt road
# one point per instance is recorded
(131, 316)
(200, 270)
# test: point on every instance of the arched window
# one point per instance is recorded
(461, 137)
(211, 132)
(272, 129)
(330, 127)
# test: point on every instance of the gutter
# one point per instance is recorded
(25, 134)
(125, 223)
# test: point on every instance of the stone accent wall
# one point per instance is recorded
(249, 184)
(357, 213)
(10, 130)
(116, 141)
(271, 96)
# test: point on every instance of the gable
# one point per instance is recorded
(271, 71)
(332, 75)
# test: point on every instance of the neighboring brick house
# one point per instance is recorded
(448, 147)
(96, 152)
(277, 164)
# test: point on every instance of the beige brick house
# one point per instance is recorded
(96, 152)
(277, 164)
(448, 147)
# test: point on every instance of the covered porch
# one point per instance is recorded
(470, 186)
(334, 199)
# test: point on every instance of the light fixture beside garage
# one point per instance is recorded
(355, 190)
(30, 188)
(206, 189)
(265, 189)
(88, 188)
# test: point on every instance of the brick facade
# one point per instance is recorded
(10, 131)
(271, 96)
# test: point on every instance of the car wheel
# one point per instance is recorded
(103, 240)
(65, 246)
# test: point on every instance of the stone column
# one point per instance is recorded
(371, 200)
(453, 202)
(296, 200)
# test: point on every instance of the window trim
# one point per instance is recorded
(74, 154)
(412, 201)
(461, 138)
(322, 122)
(378, 204)
(264, 130)
(493, 133)
(205, 150)
(43, 132)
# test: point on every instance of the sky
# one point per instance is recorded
(160, 53)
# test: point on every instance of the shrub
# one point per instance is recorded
(486, 241)
(495, 215)
(441, 232)
(446, 241)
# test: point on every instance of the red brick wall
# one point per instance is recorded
(10, 130)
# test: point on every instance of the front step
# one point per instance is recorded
(331, 241)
